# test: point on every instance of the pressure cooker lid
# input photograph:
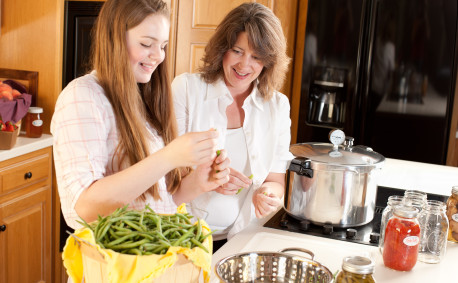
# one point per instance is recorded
(345, 155)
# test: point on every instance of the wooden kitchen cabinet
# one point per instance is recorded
(26, 217)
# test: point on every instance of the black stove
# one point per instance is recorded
(368, 234)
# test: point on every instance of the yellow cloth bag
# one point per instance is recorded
(125, 268)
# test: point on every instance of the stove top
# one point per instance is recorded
(368, 234)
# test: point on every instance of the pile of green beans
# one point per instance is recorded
(146, 232)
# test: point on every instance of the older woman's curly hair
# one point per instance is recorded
(265, 36)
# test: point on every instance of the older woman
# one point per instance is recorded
(235, 93)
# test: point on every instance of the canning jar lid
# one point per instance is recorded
(358, 265)
(326, 153)
(35, 110)
(455, 190)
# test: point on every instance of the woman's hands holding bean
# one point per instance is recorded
(213, 174)
(265, 202)
(235, 182)
(192, 149)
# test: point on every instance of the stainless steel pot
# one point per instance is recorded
(272, 267)
(333, 184)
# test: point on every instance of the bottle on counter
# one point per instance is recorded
(452, 215)
(386, 215)
(402, 239)
(434, 229)
(33, 122)
(356, 269)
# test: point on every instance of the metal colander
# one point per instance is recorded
(278, 267)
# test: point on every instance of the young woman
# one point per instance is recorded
(115, 130)
(235, 92)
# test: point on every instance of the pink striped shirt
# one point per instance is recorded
(85, 138)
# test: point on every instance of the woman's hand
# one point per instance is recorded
(206, 177)
(192, 149)
(236, 182)
(212, 175)
(268, 198)
(265, 202)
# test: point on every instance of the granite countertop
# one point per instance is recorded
(400, 174)
(26, 145)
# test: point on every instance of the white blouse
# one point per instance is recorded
(200, 106)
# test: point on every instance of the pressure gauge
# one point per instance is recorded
(337, 137)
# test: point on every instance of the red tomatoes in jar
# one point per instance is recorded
(402, 237)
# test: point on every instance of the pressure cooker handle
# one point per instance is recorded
(302, 166)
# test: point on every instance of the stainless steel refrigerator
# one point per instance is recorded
(383, 71)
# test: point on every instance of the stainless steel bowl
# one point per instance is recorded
(272, 267)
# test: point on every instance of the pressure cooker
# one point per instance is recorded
(333, 183)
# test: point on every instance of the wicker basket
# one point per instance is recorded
(96, 268)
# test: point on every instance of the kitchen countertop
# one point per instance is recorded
(400, 174)
(26, 145)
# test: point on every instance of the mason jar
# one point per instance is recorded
(415, 198)
(356, 269)
(434, 229)
(452, 215)
(386, 215)
(402, 238)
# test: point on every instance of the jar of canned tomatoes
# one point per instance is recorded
(402, 238)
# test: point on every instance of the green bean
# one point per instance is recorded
(104, 230)
(159, 249)
(185, 235)
(199, 229)
(114, 234)
(120, 240)
(133, 225)
(171, 230)
(197, 243)
(128, 245)
(184, 217)
(205, 236)
(120, 228)
(135, 251)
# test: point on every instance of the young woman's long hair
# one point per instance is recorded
(133, 103)
(265, 36)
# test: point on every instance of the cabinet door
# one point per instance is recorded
(197, 21)
(25, 243)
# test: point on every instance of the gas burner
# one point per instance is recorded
(368, 234)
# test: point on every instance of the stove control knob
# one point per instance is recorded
(284, 222)
(328, 229)
(351, 233)
(374, 237)
(304, 225)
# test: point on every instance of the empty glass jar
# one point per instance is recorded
(415, 198)
(434, 229)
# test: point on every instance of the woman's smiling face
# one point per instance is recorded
(146, 45)
(241, 65)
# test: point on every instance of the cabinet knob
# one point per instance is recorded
(2, 228)
(28, 175)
